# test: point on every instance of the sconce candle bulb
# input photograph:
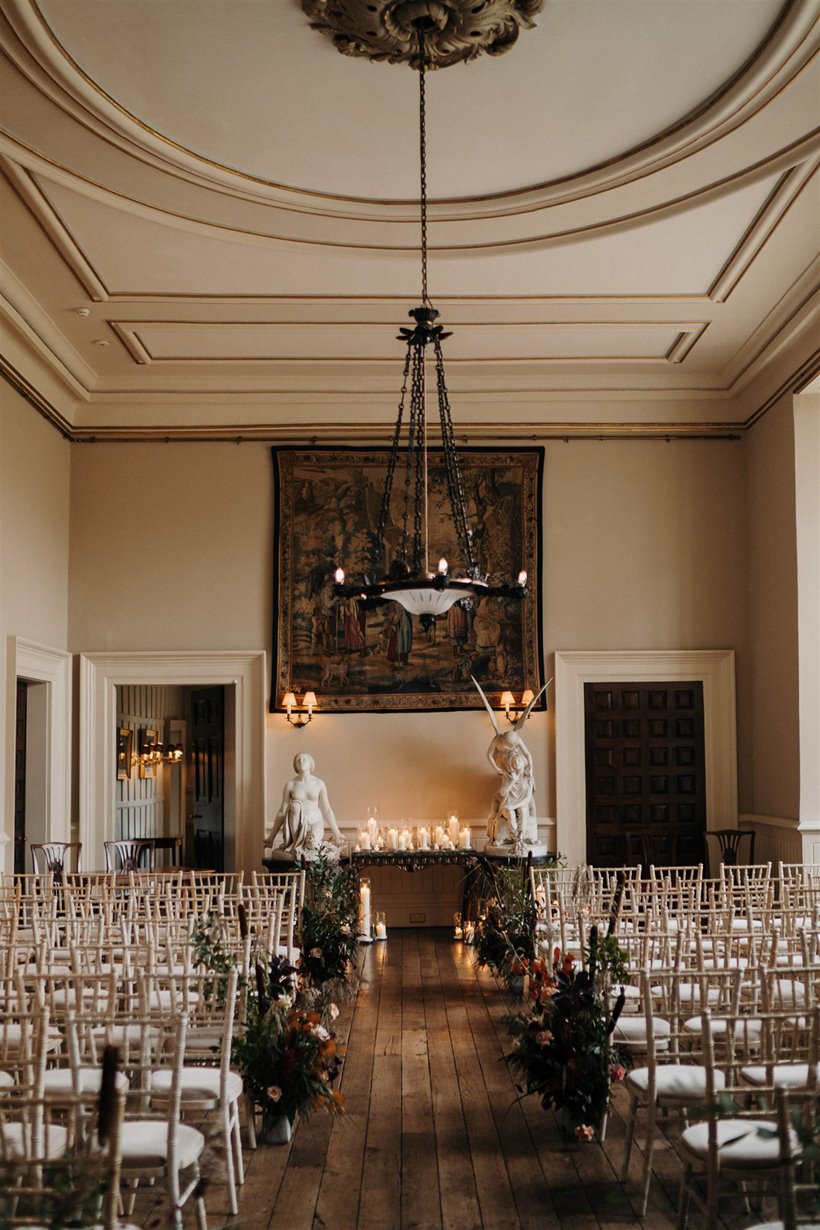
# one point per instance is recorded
(299, 714)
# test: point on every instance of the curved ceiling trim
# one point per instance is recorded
(802, 152)
(780, 57)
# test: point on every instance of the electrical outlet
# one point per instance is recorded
(418, 918)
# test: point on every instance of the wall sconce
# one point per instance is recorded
(510, 705)
(299, 714)
(151, 753)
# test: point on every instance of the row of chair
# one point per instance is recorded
(158, 968)
(721, 1016)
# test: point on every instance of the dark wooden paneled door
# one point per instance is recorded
(645, 773)
(208, 754)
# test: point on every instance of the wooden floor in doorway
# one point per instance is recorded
(436, 1136)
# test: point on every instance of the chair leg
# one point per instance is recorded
(227, 1144)
(201, 1215)
(646, 1178)
(630, 1136)
(239, 1161)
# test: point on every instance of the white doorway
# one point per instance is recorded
(244, 678)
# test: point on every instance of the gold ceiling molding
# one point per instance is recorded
(457, 30)
(787, 48)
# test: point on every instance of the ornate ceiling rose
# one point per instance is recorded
(459, 30)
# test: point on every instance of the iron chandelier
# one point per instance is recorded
(409, 580)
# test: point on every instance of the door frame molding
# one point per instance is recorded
(102, 673)
(714, 668)
(42, 664)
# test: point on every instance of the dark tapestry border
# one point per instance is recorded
(323, 507)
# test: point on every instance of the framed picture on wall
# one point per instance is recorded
(327, 507)
(125, 747)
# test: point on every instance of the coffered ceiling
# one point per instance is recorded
(210, 221)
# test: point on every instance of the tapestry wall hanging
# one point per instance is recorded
(327, 503)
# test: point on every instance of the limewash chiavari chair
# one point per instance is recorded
(793, 989)
(789, 1054)
(79, 1187)
(671, 1075)
(23, 1039)
(735, 1140)
(208, 1086)
(798, 1196)
(156, 1145)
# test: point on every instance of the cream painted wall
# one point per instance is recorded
(770, 702)
(644, 546)
(34, 514)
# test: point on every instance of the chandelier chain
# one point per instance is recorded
(416, 459)
(378, 545)
(423, 164)
(455, 482)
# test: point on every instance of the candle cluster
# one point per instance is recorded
(420, 837)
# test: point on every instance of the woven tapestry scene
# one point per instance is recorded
(369, 658)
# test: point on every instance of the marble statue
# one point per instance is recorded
(512, 825)
(303, 814)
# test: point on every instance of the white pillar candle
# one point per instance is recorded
(393, 839)
(364, 839)
(464, 839)
(364, 910)
(424, 839)
(381, 930)
(452, 827)
(402, 841)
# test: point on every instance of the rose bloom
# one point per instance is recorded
(316, 952)
(543, 1037)
(617, 1071)
(321, 1032)
(274, 1093)
(584, 1132)
(332, 1011)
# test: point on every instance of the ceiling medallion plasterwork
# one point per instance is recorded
(460, 30)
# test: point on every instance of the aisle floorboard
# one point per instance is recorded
(436, 1136)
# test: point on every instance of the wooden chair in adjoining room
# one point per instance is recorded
(56, 857)
(729, 843)
(131, 854)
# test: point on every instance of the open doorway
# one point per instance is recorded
(242, 678)
(177, 792)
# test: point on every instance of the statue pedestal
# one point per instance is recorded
(515, 849)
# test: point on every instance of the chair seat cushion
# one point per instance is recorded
(630, 1031)
(743, 1143)
(145, 1144)
(783, 1075)
(197, 1084)
(6, 1079)
(16, 1138)
(11, 1037)
(682, 1081)
(60, 1080)
(749, 1028)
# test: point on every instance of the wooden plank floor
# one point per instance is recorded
(436, 1136)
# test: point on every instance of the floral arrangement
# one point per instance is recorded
(287, 1052)
(505, 934)
(563, 1042)
(328, 923)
